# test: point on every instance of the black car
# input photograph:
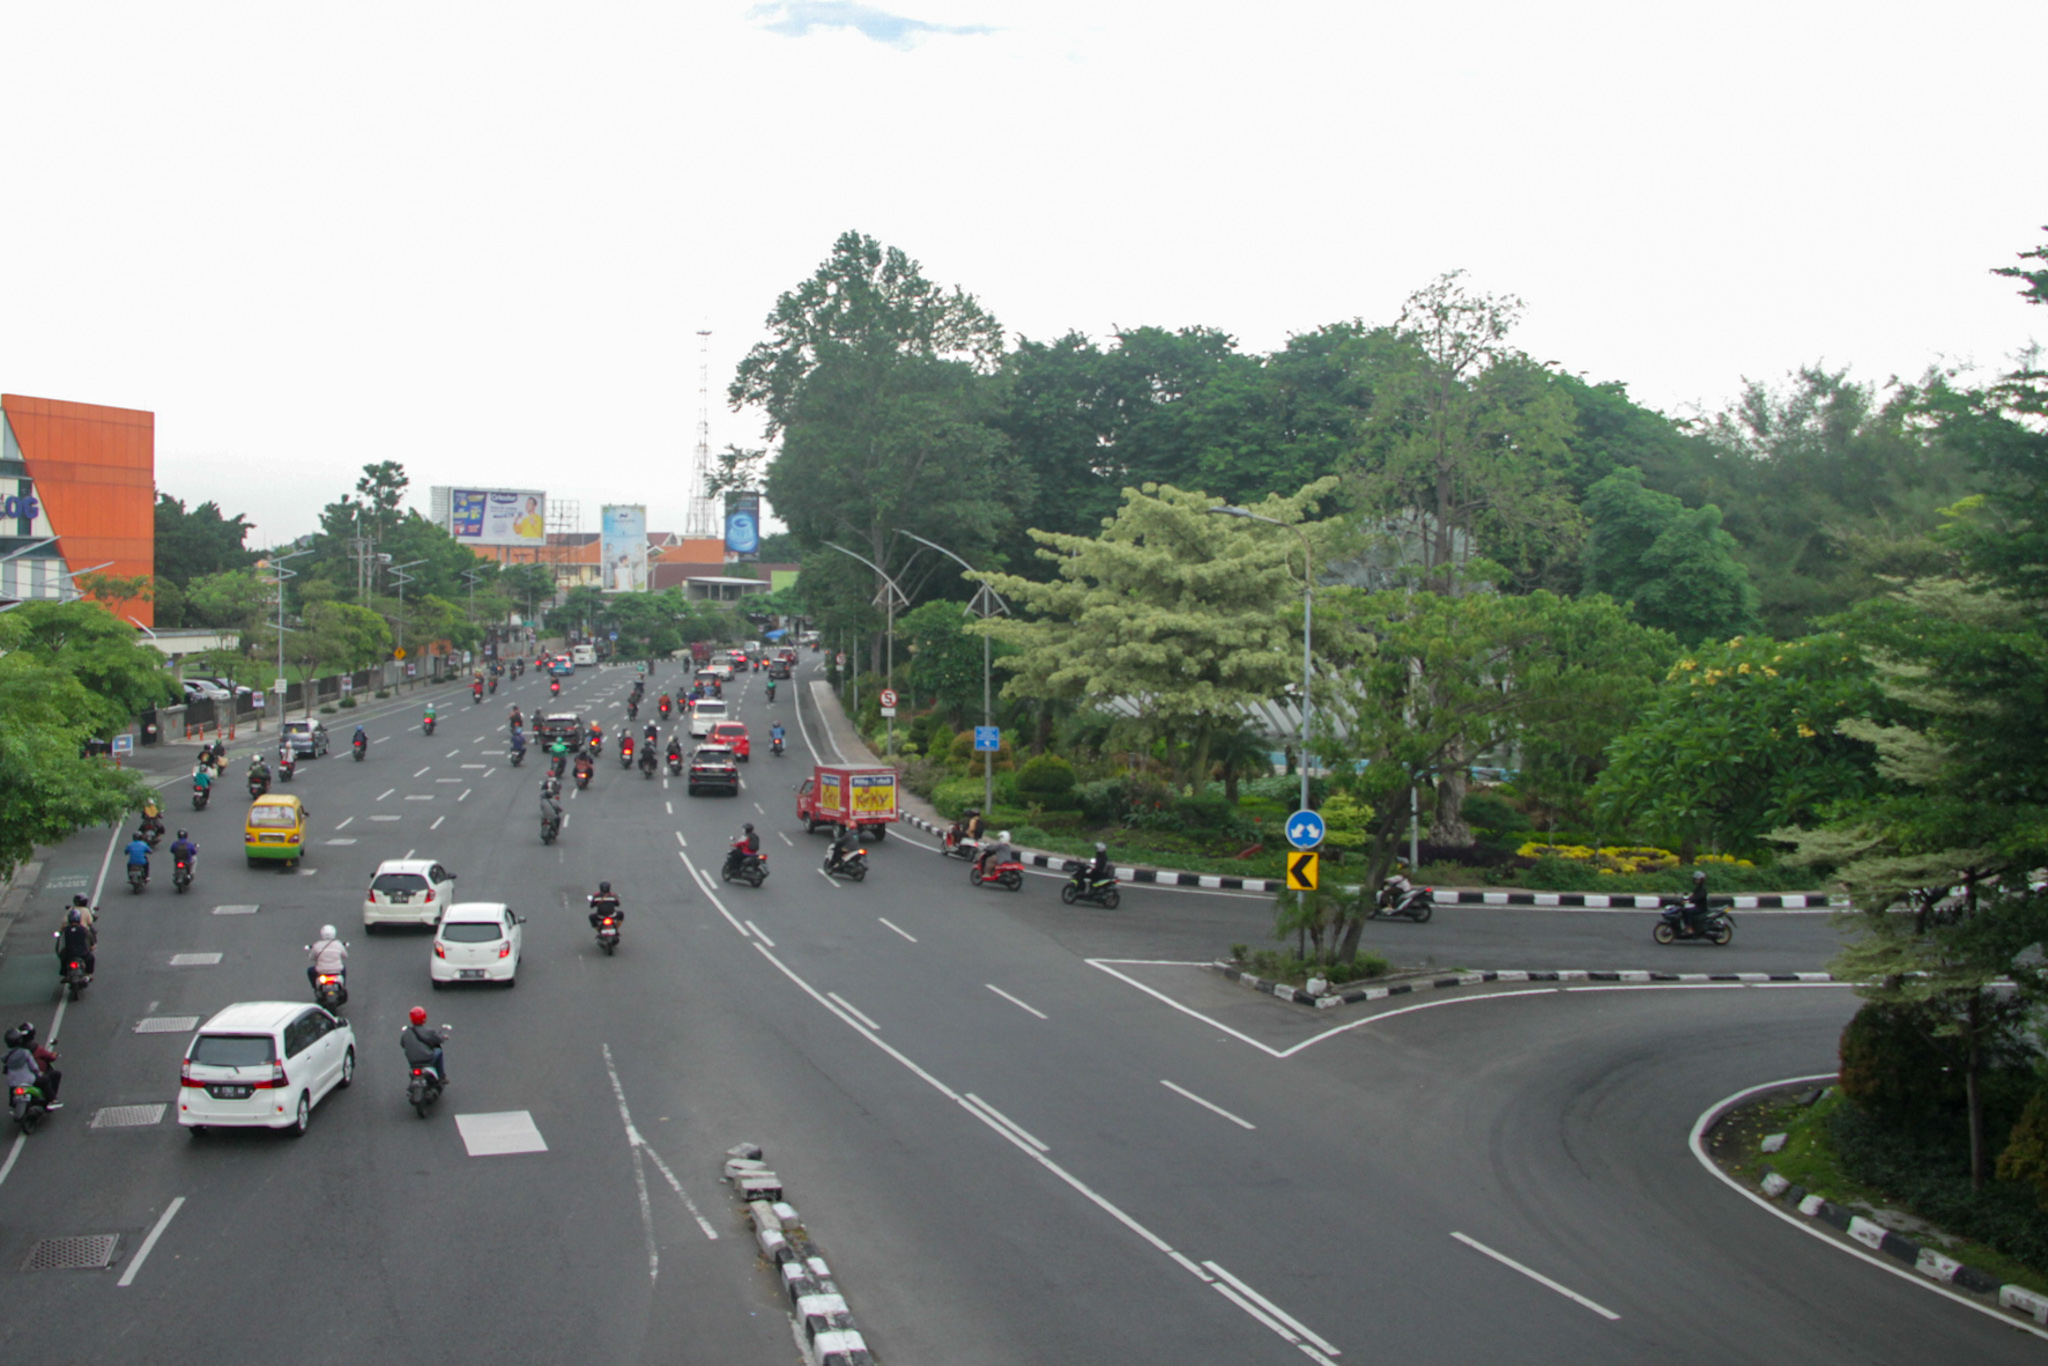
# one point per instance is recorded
(715, 768)
(778, 668)
(559, 725)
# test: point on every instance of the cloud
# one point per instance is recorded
(800, 18)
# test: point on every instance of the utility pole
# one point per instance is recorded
(402, 578)
(277, 568)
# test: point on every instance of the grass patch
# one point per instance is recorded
(1834, 1149)
(1284, 966)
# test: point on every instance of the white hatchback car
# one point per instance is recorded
(407, 891)
(477, 941)
(264, 1064)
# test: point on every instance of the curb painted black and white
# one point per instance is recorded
(824, 1325)
(1941, 1269)
(1467, 979)
(1768, 901)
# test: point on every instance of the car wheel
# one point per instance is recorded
(196, 1130)
(437, 983)
(513, 980)
(303, 1117)
(348, 1068)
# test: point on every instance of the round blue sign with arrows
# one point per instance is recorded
(1304, 830)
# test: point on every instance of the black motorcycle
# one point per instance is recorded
(1415, 903)
(138, 877)
(583, 772)
(201, 793)
(76, 978)
(1082, 887)
(27, 1105)
(519, 756)
(675, 765)
(360, 746)
(854, 867)
(775, 747)
(647, 763)
(285, 769)
(608, 934)
(258, 785)
(423, 1089)
(330, 990)
(749, 868)
(1717, 927)
(626, 756)
(181, 875)
(550, 826)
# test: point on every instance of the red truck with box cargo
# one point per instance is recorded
(860, 795)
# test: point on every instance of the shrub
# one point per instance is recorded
(1489, 811)
(1047, 780)
(923, 776)
(2025, 1159)
(327, 710)
(382, 692)
(349, 701)
(1101, 801)
(954, 795)
(964, 752)
(1890, 1065)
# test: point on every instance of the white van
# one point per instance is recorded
(582, 655)
(705, 713)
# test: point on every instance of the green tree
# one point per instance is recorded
(121, 676)
(236, 600)
(192, 545)
(1674, 566)
(336, 637)
(1170, 609)
(945, 657)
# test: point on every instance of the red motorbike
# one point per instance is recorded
(1009, 874)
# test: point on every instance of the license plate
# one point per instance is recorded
(474, 973)
(228, 1092)
(400, 898)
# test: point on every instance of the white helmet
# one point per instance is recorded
(327, 931)
(1004, 837)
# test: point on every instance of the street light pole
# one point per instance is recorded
(398, 574)
(277, 567)
(891, 595)
(987, 603)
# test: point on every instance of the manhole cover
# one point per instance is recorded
(167, 1024)
(92, 1252)
(126, 1116)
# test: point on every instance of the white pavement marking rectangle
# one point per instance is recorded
(382, 795)
(419, 797)
(787, 840)
(1015, 1002)
(437, 823)
(757, 931)
(493, 1135)
(166, 1024)
(344, 840)
(476, 765)
(448, 780)
(387, 818)
(898, 928)
(422, 771)
(1207, 1105)
(489, 771)
(846, 1004)
(999, 1117)
(127, 1116)
(1535, 1276)
(680, 840)
(1271, 1308)
(465, 795)
(149, 1243)
(452, 753)
(671, 807)
(344, 824)
(194, 960)
(244, 909)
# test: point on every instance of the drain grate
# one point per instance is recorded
(167, 1024)
(127, 1116)
(90, 1252)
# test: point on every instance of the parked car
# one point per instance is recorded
(198, 689)
(407, 891)
(242, 691)
(477, 941)
(306, 737)
(264, 1064)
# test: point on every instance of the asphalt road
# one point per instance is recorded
(1021, 1132)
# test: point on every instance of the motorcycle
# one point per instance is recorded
(330, 990)
(647, 763)
(76, 978)
(259, 783)
(138, 877)
(955, 844)
(424, 1089)
(518, 756)
(632, 709)
(1008, 874)
(201, 792)
(1718, 927)
(675, 765)
(554, 687)
(775, 746)
(427, 724)
(360, 747)
(476, 692)
(1415, 903)
(493, 685)
(1081, 887)
(583, 771)
(181, 875)
(27, 1105)
(749, 868)
(608, 933)
(854, 867)
(626, 755)
(285, 769)
(550, 826)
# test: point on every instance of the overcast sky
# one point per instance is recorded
(481, 239)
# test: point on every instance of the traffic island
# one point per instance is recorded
(1400, 984)
(1775, 1142)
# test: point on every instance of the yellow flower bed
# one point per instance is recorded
(1617, 858)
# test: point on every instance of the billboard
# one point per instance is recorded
(624, 549)
(498, 517)
(743, 524)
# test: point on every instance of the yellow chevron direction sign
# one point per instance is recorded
(1301, 872)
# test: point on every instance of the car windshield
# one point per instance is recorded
(234, 1050)
(472, 931)
(711, 707)
(399, 882)
(298, 728)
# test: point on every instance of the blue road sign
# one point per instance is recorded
(124, 744)
(1304, 830)
(988, 737)
(615, 635)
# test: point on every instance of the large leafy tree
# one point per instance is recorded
(1673, 565)
(190, 545)
(1184, 615)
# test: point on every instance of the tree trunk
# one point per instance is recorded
(1449, 827)
(1198, 777)
(1973, 1097)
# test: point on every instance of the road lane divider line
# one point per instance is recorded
(424, 770)
(670, 806)
(1538, 1277)
(465, 795)
(385, 793)
(787, 840)
(488, 772)
(898, 928)
(20, 1141)
(757, 934)
(1012, 1125)
(849, 1006)
(453, 752)
(149, 1243)
(1207, 1105)
(1015, 1002)
(1275, 1310)
(680, 840)
(344, 825)
(704, 881)
(638, 1144)
(410, 852)
(436, 825)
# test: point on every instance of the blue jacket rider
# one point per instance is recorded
(138, 853)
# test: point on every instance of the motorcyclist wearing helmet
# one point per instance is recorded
(605, 903)
(550, 805)
(518, 721)
(202, 775)
(1696, 903)
(138, 854)
(327, 955)
(745, 846)
(360, 738)
(75, 941)
(28, 1063)
(83, 908)
(995, 853)
(775, 735)
(976, 828)
(152, 825)
(184, 850)
(1100, 869)
(259, 769)
(675, 749)
(424, 1046)
(842, 845)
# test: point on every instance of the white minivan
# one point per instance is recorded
(583, 655)
(264, 1064)
(705, 713)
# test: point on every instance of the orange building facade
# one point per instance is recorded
(77, 495)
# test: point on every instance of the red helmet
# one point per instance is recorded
(418, 1015)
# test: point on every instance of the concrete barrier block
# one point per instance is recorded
(760, 1186)
(1811, 1206)
(2027, 1302)
(846, 1348)
(764, 1216)
(1871, 1235)
(746, 1150)
(773, 1245)
(823, 1313)
(1776, 1185)
(1936, 1267)
(786, 1213)
(822, 1274)
(736, 1167)
(797, 1281)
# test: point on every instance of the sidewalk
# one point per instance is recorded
(843, 742)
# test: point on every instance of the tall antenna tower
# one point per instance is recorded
(702, 519)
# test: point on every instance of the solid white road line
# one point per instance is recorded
(1012, 1125)
(20, 1140)
(435, 826)
(422, 770)
(385, 793)
(1015, 1002)
(149, 1243)
(898, 928)
(1536, 1276)
(344, 824)
(846, 1003)
(787, 840)
(757, 931)
(1207, 1105)
(1271, 1308)
(680, 840)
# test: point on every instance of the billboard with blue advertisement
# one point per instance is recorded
(743, 524)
